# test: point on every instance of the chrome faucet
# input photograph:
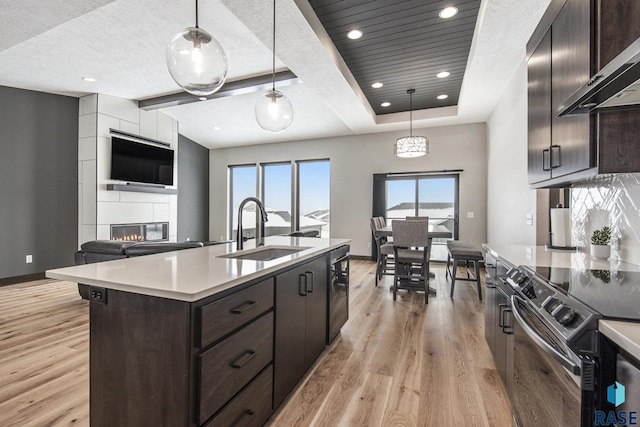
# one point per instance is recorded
(259, 230)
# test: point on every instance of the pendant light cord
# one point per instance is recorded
(273, 74)
(410, 113)
(197, 14)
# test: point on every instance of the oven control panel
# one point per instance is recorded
(568, 317)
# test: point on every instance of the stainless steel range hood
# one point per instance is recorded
(615, 85)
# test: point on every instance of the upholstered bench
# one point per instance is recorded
(463, 254)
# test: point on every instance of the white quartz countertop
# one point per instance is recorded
(625, 334)
(192, 274)
(539, 256)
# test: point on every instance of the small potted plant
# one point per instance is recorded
(600, 240)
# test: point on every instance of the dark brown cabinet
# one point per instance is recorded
(223, 360)
(539, 95)
(301, 328)
(499, 318)
(574, 39)
(571, 62)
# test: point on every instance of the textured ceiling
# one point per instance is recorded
(405, 44)
(49, 46)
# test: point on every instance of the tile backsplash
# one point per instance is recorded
(614, 201)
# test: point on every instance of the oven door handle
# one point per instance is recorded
(544, 345)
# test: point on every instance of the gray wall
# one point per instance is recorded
(193, 190)
(38, 181)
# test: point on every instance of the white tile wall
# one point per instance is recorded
(87, 126)
(120, 108)
(99, 208)
(89, 192)
(149, 124)
(124, 213)
(88, 104)
(87, 148)
(612, 201)
(161, 212)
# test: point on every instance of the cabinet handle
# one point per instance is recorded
(243, 421)
(309, 273)
(501, 318)
(546, 159)
(556, 161)
(244, 307)
(240, 361)
(302, 288)
(503, 324)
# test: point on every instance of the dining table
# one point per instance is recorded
(387, 231)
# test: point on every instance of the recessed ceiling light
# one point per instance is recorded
(385, 104)
(443, 96)
(443, 74)
(88, 79)
(448, 12)
(377, 85)
(354, 34)
(216, 128)
(203, 98)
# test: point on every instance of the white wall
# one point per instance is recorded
(99, 208)
(510, 199)
(354, 160)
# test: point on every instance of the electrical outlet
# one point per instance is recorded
(369, 245)
(28, 259)
(97, 294)
(470, 214)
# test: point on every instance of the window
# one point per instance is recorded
(300, 204)
(313, 196)
(242, 184)
(433, 196)
(276, 196)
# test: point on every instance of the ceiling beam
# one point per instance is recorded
(237, 87)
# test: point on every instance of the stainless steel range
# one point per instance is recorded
(561, 364)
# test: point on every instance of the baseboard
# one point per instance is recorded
(21, 279)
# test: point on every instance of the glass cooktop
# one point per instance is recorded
(614, 294)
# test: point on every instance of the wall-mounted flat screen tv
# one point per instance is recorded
(137, 162)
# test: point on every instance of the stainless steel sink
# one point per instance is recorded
(266, 253)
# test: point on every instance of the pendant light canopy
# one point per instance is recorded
(196, 61)
(411, 146)
(274, 111)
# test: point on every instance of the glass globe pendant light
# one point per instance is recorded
(196, 61)
(274, 111)
(411, 146)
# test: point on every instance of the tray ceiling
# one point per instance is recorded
(405, 44)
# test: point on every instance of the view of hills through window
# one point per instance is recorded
(279, 195)
(434, 197)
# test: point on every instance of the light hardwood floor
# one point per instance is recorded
(399, 363)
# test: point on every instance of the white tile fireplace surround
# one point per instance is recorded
(612, 201)
(99, 207)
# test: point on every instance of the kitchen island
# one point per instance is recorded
(205, 336)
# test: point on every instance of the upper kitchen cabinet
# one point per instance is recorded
(574, 39)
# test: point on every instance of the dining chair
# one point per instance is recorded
(384, 264)
(411, 245)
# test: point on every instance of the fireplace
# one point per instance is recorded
(154, 231)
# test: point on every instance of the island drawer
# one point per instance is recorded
(229, 365)
(227, 314)
(252, 407)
